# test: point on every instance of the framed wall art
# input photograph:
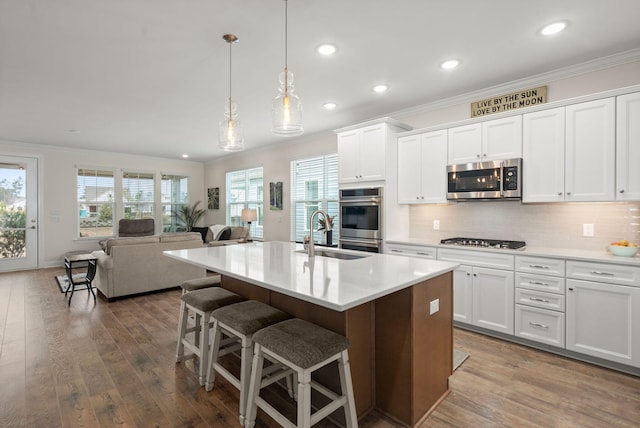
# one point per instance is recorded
(213, 194)
(275, 195)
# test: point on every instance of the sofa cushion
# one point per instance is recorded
(180, 236)
(130, 241)
(215, 232)
(136, 227)
(202, 231)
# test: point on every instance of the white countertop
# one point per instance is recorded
(332, 283)
(560, 253)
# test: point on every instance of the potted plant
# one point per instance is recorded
(323, 226)
(189, 215)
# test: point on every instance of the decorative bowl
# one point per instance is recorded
(618, 250)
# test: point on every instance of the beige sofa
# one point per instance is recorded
(237, 235)
(136, 265)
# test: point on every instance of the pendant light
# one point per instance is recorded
(231, 135)
(286, 108)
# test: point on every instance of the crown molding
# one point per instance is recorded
(532, 81)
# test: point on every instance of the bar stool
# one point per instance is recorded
(202, 303)
(303, 348)
(238, 323)
(199, 284)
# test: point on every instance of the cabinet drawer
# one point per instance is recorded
(412, 251)
(550, 284)
(539, 299)
(540, 325)
(489, 259)
(540, 265)
(604, 272)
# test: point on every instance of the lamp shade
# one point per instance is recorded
(249, 215)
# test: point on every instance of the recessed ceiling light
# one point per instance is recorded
(185, 155)
(553, 28)
(326, 49)
(450, 64)
(330, 106)
(381, 88)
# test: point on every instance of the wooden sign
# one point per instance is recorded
(512, 101)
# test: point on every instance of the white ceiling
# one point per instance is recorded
(151, 76)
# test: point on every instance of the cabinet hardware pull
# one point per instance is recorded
(535, 324)
(622, 191)
(536, 299)
(424, 254)
(468, 274)
(559, 193)
(475, 274)
(539, 266)
(396, 251)
(595, 272)
(570, 289)
(539, 283)
(569, 193)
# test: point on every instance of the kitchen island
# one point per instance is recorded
(396, 311)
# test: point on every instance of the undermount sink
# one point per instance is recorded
(335, 254)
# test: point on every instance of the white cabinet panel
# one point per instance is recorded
(502, 138)
(603, 320)
(540, 325)
(465, 144)
(463, 294)
(628, 147)
(540, 299)
(493, 295)
(543, 155)
(532, 281)
(541, 265)
(604, 272)
(422, 161)
(590, 151)
(362, 154)
(423, 252)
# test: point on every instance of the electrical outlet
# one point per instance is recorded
(436, 224)
(587, 230)
(434, 306)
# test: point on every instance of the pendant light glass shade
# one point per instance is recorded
(286, 109)
(230, 132)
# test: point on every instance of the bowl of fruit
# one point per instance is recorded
(623, 248)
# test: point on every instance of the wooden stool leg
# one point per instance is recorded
(245, 376)
(254, 388)
(347, 390)
(304, 399)
(213, 356)
(182, 331)
(204, 348)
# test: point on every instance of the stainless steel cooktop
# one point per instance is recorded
(485, 243)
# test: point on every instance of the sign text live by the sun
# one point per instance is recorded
(512, 101)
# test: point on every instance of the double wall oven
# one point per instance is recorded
(361, 219)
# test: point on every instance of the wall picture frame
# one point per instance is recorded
(275, 195)
(213, 198)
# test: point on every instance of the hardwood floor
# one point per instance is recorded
(113, 364)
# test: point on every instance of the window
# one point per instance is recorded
(95, 195)
(314, 185)
(244, 190)
(174, 190)
(137, 195)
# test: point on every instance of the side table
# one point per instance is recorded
(76, 261)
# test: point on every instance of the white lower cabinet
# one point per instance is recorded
(603, 320)
(482, 295)
(423, 252)
(540, 325)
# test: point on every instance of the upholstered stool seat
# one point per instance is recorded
(202, 303)
(238, 322)
(303, 348)
(200, 283)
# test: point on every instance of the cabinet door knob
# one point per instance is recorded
(559, 193)
(570, 289)
(622, 191)
(478, 156)
(568, 193)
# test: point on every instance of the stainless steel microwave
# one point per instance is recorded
(500, 179)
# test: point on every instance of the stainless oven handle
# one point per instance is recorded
(374, 200)
(363, 242)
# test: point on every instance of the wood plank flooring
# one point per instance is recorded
(113, 364)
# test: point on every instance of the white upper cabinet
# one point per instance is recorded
(422, 160)
(361, 154)
(569, 153)
(628, 147)
(590, 151)
(543, 155)
(491, 140)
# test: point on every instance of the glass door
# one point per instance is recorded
(18, 213)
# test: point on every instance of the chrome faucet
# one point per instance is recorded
(312, 249)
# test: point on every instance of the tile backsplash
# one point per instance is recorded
(540, 225)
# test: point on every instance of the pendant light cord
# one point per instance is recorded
(230, 74)
(286, 39)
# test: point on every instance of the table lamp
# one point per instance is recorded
(249, 215)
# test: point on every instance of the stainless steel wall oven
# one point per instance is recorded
(360, 219)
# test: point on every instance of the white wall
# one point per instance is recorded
(58, 212)
(276, 163)
(566, 232)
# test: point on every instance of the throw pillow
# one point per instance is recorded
(225, 235)
(202, 230)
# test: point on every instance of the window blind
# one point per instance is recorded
(245, 190)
